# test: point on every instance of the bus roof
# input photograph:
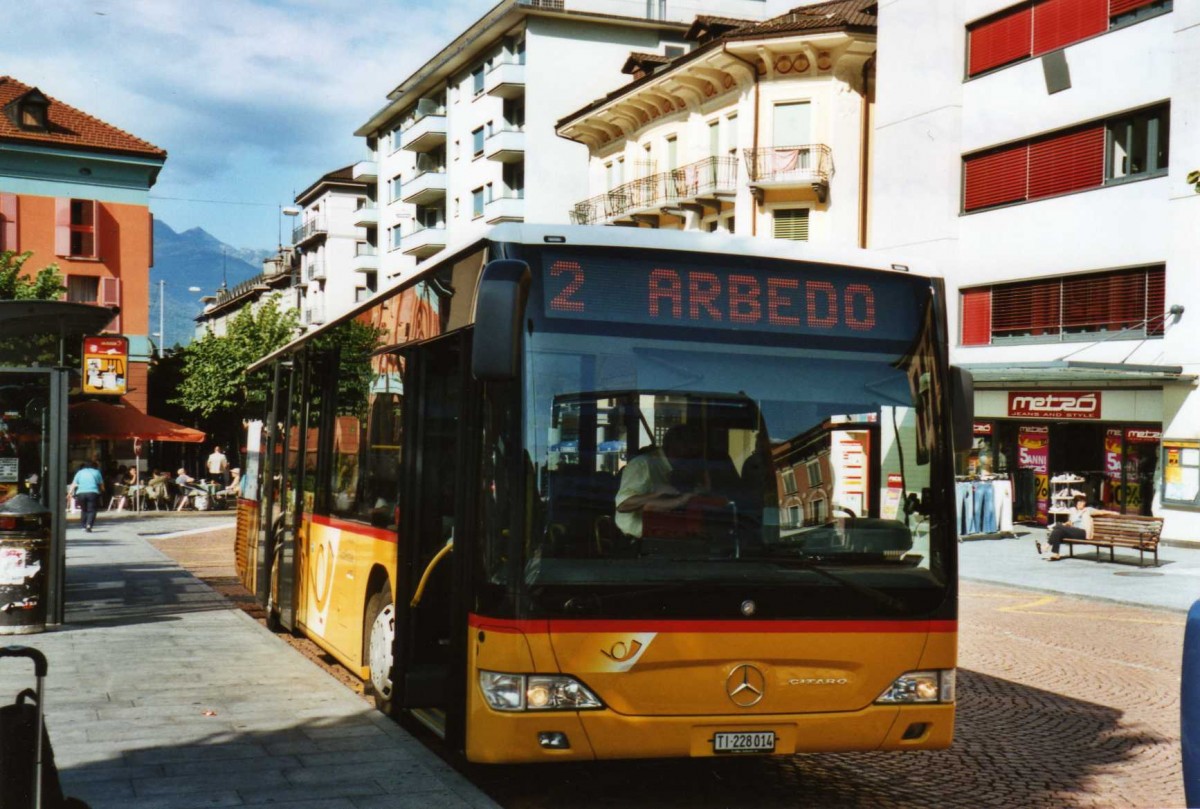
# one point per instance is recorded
(638, 238)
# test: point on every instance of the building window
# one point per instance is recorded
(1032, 29)
(83, 289)
(1066, 308)
(513, 175)
(477, 141)
(672, 153)
(817, 511)
(477, 203)
(731, 135)
(396, 233)
(789, 481)
(714, 138)
(794, 516)
(8, 222)
(791, 223)
(477, 81)
(76, 234)
(1137, 145)
(1130, 147)
(813, 470)
(394, 188)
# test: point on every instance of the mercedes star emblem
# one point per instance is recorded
(745, 686)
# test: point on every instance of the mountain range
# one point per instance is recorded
(192, 258)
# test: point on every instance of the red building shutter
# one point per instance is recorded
(1067, 162)
(976, 316)
(62, 226)
(996, 178)
(110, 295)
(1024, 309)
(999, 40)
(1058, 23)
(8, 222)
(1119, 7)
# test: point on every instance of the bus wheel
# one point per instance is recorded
(380, 631)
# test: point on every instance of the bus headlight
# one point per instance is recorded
(536, 692)
(920, 687)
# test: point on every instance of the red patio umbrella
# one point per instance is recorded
(109, 421)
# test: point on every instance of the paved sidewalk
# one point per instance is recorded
(161, 695)
(1173, 585)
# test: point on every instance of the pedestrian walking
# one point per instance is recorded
(86, 488)
(218, 466)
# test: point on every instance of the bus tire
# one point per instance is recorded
(379, 632)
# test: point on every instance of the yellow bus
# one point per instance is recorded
(583, 493)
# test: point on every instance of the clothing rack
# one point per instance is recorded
(983, 505)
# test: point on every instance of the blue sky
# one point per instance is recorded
(252, 99)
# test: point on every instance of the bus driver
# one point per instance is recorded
(647, 482)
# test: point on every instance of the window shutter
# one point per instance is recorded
(62, 226)
(999, 41)
(1066, 162)
(792, 223)
(8, 222)
(1058, 23)
(976, 316)
(995, 178)
(97, 211)
(1119, 7)
(1026, 309)
(110, 295)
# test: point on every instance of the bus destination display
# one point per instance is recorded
(806, 299)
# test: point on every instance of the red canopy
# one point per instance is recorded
(107, 421)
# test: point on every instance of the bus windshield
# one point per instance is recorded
(702, 454)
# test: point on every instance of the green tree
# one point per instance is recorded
(215, 383)
(1193, 179)
(46, 285)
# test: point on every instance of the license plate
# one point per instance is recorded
(744, 742)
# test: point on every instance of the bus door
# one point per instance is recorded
(293, 417)
(427, 654)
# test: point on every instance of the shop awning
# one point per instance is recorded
(110, 421)
(1065, 372)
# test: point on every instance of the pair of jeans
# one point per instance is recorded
(985, 508)
(1061, 530)
(89, 504)
(965, 496)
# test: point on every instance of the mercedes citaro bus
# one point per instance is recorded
(592, 493)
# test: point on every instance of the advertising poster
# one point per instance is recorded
(1033, 444)
(105, 360)
(1112, 469)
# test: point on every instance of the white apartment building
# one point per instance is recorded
(469, 141)
(337, 258)
(743, 132)
(1038, 153)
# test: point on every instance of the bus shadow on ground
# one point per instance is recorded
(130, 593)
(1015, 746)
(338, 762)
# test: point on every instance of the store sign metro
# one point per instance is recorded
(1054, 404)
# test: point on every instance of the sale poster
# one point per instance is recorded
(1033, 446)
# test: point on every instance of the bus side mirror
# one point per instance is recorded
(499, 312)
(962, 407)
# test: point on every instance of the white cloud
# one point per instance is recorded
(271, 87)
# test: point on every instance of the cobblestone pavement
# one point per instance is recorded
(1063, 702)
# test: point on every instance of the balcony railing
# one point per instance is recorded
(366, 215)
(703, 178)
(366, 257)
(508, 207)
(712, 175)
(505, 145)
(427, 130)
(423, 241)
(505, 80)
(790, 165)
(307, 230)
(316, 271)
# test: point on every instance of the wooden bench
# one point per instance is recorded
(1123, 531)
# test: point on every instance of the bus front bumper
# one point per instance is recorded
(521, 737)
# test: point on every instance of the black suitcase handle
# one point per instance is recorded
(39, 660)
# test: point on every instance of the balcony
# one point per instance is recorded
(426, 132)
(366, 258)
(508, 208)
(367, 216)
(315, 271)
(424, 241)
(309, 231)
(505, 80)
(790, 168)
(701, 184)
(314, 316)
(425, 188)
(366, 170)
(505, 146)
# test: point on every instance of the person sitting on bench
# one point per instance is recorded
(1077, 526)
